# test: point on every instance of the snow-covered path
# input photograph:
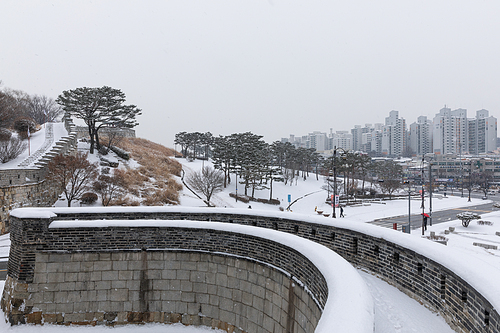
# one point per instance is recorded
(49, 139)
(398, 313)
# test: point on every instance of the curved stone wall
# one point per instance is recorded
(457, 290)
(232, 277)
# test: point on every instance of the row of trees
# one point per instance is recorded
(255, 164)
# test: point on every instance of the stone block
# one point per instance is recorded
(134, 295)
(87, 266)
(193, 309)
(40, 267)
(186, 286)
(160, 265)
(268, 324)
(104, 256)
(154, 274)
(55, 277)
(202, 266)
(118, 284)
(202, 298)
(109, 275)
(64, 308)
(168, 274)
(233, 283)
(125, 275)
(246, 298)
(210, 311)
(71, 267)
(227, 316)
(175, 285)
(201, 288)
(102, 265)
(188, 297)
(71, 277)
(182, 274)
(180, 307)
(172, 265)
(225, 292)
(81, 307)
(197, 276)
(67, 286)
(40, 278)
(133, 285)
(103, 285)
(52, 267)
(119, 265)
(168, 306)
(135, 265)
(59, 258)
(258, 303)
(210, 278)
(221, 280)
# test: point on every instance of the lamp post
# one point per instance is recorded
(423, 194)
(410, 190)
(334, 181)
(335, 178)
(429, 159)
(470, 184)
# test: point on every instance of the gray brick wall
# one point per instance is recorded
(193, 287)
(461, 305)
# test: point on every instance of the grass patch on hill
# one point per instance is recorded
(152, 183)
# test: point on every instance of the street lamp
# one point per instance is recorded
(335, 177)
(429, 158)
(411, 188)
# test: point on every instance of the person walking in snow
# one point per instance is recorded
(341, 212)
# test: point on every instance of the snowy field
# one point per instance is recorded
(394, 312)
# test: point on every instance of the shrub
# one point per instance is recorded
(162, 197)
(11, 149)
(88, 198)
(481, 222)
(5, 134)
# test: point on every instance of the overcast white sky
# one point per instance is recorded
(271, 67)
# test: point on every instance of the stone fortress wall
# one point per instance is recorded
(26, 186)
(36, 248)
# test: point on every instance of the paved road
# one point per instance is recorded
(438, 216)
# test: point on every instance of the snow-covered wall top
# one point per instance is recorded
(454, 280)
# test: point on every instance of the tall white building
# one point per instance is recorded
(420, 136)
(449, 133)
(394, 135)
(342, 139)
(482, 133)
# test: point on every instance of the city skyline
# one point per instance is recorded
(449, 132)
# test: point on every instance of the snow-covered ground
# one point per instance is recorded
(39, 143)
(395, 312)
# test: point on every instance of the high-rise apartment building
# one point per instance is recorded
(394, 135)
(450, 131)
(482, 133)
(420, 136)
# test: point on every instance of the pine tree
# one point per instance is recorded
(99, 107)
